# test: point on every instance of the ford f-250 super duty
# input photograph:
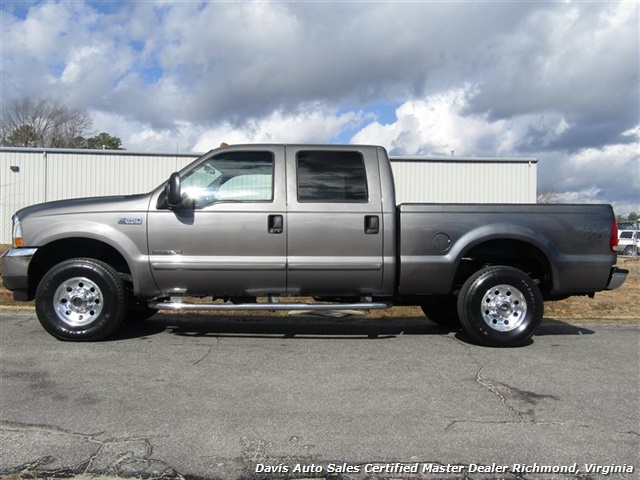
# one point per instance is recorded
(250, 225)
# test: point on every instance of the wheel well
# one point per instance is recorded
(512, 253)
(60, 250)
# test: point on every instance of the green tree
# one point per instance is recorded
(631, 217)
(23, 136)
(104, 141)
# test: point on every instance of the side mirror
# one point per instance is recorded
(173, 191)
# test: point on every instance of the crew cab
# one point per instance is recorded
(255, 226)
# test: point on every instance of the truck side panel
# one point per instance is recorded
(572, 240)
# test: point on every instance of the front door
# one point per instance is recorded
(229, 237)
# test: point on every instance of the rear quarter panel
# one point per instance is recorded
(434, 238)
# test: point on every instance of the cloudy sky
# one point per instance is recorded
(554, 80)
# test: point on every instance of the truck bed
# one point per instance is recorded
(565, 245)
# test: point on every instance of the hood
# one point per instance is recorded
(87, 205)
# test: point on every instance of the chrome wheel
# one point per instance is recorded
(81, 300)
(78, 301)
(500, 306)
(504, 308)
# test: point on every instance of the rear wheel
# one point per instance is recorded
(81, 300)
(500, 307)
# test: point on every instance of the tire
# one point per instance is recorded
(441, 309)
(628, 250)
(81, 300)
(500, 307)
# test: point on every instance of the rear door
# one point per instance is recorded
(334, 221)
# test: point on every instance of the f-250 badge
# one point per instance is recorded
(129, 221)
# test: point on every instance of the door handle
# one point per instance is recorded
(275, 224)
(371, 224)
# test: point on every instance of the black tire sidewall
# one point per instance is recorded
(470, 301)
(441, 309)
(113, 293)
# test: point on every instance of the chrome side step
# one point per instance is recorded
(186, 306)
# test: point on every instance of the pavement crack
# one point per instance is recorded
(122, 457)
(90, 461)
(501, 390)
(209, 350)
(48, 429)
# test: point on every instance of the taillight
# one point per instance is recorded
(613, 239)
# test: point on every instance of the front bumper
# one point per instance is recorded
(617, 277)
(15, 270)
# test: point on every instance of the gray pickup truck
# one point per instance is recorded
(254, 226)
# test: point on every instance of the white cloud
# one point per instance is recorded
(312, 123)
(617, 166)
(438, 124)
(554, 80)
(441, 123)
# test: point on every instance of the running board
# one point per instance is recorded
(269, 306)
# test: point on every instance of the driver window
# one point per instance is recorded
(231, 176)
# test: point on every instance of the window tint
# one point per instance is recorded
(231, 176)
(331, 177)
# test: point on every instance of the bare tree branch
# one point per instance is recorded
(42, 123)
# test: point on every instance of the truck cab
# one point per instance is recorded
(277, 220)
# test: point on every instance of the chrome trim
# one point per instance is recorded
(374, 267)
(219, 266)
(20, 252)
(270, 306)
(617, 278)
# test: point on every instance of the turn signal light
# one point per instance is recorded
(16, 233)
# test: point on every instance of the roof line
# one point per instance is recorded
(393, 158)
(444, 159)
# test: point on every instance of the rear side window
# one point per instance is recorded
(331, 176)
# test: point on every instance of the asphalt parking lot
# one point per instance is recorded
(261, 397)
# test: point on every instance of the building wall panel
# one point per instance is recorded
(22, 183)
(87, 175)
(464, 181)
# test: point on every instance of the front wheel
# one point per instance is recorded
(500, 307)
(81, 300)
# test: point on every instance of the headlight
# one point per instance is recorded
(16, 232)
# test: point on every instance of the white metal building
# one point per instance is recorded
(465, 179)
(30, 175)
